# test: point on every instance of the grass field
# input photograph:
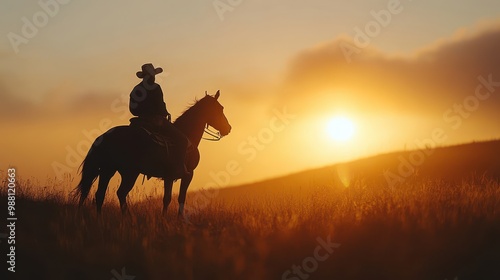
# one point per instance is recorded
(418, 230)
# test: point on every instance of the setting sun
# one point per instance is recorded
(340, 129)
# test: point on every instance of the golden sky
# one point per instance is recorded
(398, 70)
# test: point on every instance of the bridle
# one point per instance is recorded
(216, 136)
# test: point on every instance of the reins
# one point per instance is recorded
(215, 134)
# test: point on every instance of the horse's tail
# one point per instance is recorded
(90, 170)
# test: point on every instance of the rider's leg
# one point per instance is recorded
(181, 143)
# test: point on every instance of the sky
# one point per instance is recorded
(398, 71)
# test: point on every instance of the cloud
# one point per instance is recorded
(429, 80)
(60, 103)
(10, 105)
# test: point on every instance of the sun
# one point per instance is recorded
(340, 129)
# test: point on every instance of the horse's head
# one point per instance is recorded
(215, 113)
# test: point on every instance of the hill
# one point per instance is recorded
(452, 164)
(428, 226)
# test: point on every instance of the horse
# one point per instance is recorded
(130, 151)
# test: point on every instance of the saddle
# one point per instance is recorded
(158, 146)
(158, 139)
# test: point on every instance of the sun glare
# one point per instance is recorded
(340, 129)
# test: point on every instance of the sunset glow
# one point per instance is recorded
(333, 80)
(340, 129)
(231, 139)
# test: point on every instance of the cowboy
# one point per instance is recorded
(146, 102)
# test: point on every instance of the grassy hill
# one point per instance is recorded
(451, 164)
(438, 223)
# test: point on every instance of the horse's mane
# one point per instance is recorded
(188, 110)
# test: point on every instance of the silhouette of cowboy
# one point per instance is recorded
(146, 102)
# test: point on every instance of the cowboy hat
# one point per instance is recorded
(148, 69)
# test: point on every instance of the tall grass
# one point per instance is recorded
(418, 230)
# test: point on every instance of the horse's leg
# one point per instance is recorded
(185, 181)
(128, 181)
(102, 187)
(167, 194)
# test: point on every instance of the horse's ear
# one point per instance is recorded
(217, 94)
(206, 93)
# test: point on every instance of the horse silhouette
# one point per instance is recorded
(131, 151)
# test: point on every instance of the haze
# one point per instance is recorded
(407, 74)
